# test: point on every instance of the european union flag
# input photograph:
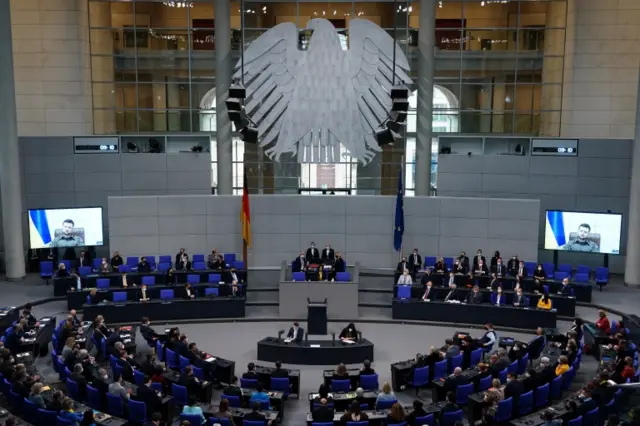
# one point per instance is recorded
(398, 229)
(556, 222)
(40, 222)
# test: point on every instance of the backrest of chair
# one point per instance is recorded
(505, 408)
(298, 276)
(456, 361)
(198, 258)
(248, 383)
(384, 404)
(542, 395)
(404, 292)
(30, 409)
(522, 364)
(556, 388)
(426, 420)
(440, 369)
(171, 358)
(199, 266)
(137, 411)
(530, 267)
(234, 401)
(84, 270)
(149, 280)
(451, 417)
(340, 385)
(193, 279)
(592, 418)
(567, 378)
(193, 419)
(564, 267)
(102, 283)
(183, 361)
(46, 417)
(253, 423)
(525, 403)
(94, 398)
(221, 422)
(119, 296)
(364, 423)
(280, 384)
(430, 261)
(475, 357)
(575, 422)
(166, 294)
(164, 267)
(229, 258)
(63, 422)
(215, 278)
(503, 376)
(164, 259)
(67, 264)
(115, 407)
(125, 268)
(211, 291)
(448, 261)
(485, 383)
(602, 273)
(463, 392)
(238, 264)
(73, 388)
(343, 276)
(560, 275)
(321, 423)
(46, 267)
(369, 381)
(581, 278)
(132, 260)
(583, 269)
(179, 393)
(513, 367)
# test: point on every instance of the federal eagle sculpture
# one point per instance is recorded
(309, 102)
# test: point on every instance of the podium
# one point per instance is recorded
(317, 317)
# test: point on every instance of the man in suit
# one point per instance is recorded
(149, 396)
(300, 263)
(193, 353)
(189, 381)
(429, 293)
(313, 255)
(338, 266)
(117, 388)
(101, 382)
(127, 368)
(415, 262)
(78, 377)
(521, 271)
(296, 333)
(450, 349)
(233, 389)
(463, 260)
(535, 346)
(500, 270)
(513, 389)
(402, 265)
(328, 255)
(322, 414)
(144, 265)
(565, 289)
(116, 261)
(182, 345)
(366, 369)
(182, 260)
(455, 380)
(279, 372)
(255, 414)
(480, 268)
(476, 260)
(83, 260)
(475, 297)
(452, 295)
(251, 373)
(495, 367)
(512, 266)
(518, 298)
(546, 372)
(147, 332)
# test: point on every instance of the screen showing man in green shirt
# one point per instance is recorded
(67, 238)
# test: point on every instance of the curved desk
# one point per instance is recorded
(502, 316)
(314, 352)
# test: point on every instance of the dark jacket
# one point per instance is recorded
(322, 414)
(453, 382)
(514, 389)
(149, 397)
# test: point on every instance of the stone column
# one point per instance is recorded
(223, 81)
(10, 179)
(632, 267)
(426, 46)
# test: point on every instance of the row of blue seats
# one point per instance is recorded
(150, 280)
(167, 294)
(340, 276)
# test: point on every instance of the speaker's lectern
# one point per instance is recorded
(317, 317)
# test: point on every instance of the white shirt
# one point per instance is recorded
(295, 332)
(499, 268)
(451, 280)
(234, 277)
(491, 336)
(404, 279)
(520, 270)
(498, 299)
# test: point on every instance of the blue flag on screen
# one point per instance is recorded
(556, 222)
(398, 229)
(40, 222)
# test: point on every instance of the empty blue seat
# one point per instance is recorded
(340, 385)
(171, 359)
(214, 278)
(440, 370)
(343, 276)
(462, 393)
(164, 259)
(67, 264)
(567, 378)
(451, 418)
(198, 258)
(485, 383)
(560, 275)
(281, 384)
(238, 264)
(503, 413)
(138, 377)
(115, 407)
(229, 258)
(198, 372)
(430, 261)
(84, 271)
(530, 267)
(426, 420)
(564, 267)
(248, 383)
(30, 410)
(74, 390)
(211, 291)
(46, 417)
(420, 378)
(583, 269)
(46, 269)
(503, 376)
(591, 418)
(103, 283)
(549, 269)
(513, 367)
(555, 391)
(166, 294)
(183, 362)
(222, 422)
(193, 279)
(541, 396)
(138, 411)
(164, 267)
(369, 381)
(132, 261)
(148, 280)
(125, 268)
(522, 364)
(119, 296)
(404, 292)
(151, 260)
(199, 266)
(179, 393)
(581, 278)
(298, 276)
(234, 401)
(475, 357)
(60, 421)
(575, 422)
(525, 403)
(385, 404)
(602, 276)
(455, 361)
(96, 263)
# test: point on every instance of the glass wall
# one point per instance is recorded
(498, 63)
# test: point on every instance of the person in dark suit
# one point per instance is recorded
(513, 389)
(20, 385)
(233, 389)
(450, 406)
(463, 260)
(519, 299)
(78, 377)
(300, 263)
(440, 267)
(494, 259)
(193, 353)
(477, 258)
(156, 418)
(322, 414)
(456, 379)
(512, 265)
(296, 333)
(521, 271)
(182, 260)
(452, 295)
(182, 345)
(328, 255)
(495, 367)
(83, 260)
(312, 255)
(189, 381)
(28, 316)
(459, 268)
(366, 369)
(255, 414)
(149, 396)
(251, 372)
(499, 268)
(418, 411)
(402, 265)
(475, 297)
(565, 289)
(540, 273)
(535, 346)
(147, 332)
(127, 368)
(546, 373)
(102, 381)
(143, 265)
(14, 340)
(338, 266)
(415, 262)
(279, 372)
(480, 268)
(116, 261)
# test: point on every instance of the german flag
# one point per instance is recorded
(245, 214)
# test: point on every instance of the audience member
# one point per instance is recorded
(386, 394)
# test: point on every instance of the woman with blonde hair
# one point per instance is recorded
(386, 394)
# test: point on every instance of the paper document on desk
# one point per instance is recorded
(350, 342)
(288, 340)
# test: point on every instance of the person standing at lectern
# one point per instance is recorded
(349, 333)
(312, 253)
(328, 255)
(295, 334)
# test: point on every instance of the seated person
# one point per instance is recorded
(35, 396)
(323, 393)
(300, 263)
(116, 261)
(456, 379)
(349, 333)
(67, 412)
(338, 266)
(366, 369)
(189, 381)
(386, 394)
(255, 415)
(450, 406)
(450, 349)
(545, 302)
(340, 373)
(144, 266)
(396, 415)
(295, 333)
(565, 289)
(144, 296)
(480, 269)
(495, 282)
(603, 322)
(440, 267)
(418, 411)
(539, 273)
(563, 365)
(497, 298)
(193, 409)
(499, 269)
(402, 265)
(519, 299)
(259, 395)
(105, 267)
(251, 372)
(459, 268)
(117, 388)
(279, 372)
(405, 278)
(322, 413)
(189, 292)
(182, 260)
(429, 293)
(538, 287)
(62, 271)
(211, 259)
(354, 414)
(475, 297)
(452, 295)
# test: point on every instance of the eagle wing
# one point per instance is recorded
(371, 71)
(270, 65)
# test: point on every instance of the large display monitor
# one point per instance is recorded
(583, 232)
(73, 227)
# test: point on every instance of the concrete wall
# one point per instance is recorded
(597, 180)
(361, 228)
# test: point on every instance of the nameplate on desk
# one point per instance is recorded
(426, 300)
(210, 359)
(314, 346)
(45, 319)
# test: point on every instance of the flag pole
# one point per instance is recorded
(403, 182)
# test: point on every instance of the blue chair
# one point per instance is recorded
(559, 275)
(193, 419)
(198, 372)
(151, 260)
(462, 393)
(513, 367)
(125, 268)
(238, 264)
(46, 269)
(565, 267)
(67, 264)
(451, 418)
(229, 258)
(234, 401)
(592, 418)
(542, 396)
(575, 422)
(30, 410)
(449, 262)
(440, 370)
(583, 269)
(132, 261)
(485, 383)
(83, 271)
(149, 280)
(281, 384)
(503, 376)
(455, 361)
(198, 258)
(530, 267)
(248, 383)
(382, 405)
(193, 279)
(404, 292)
(505, 407)
(475, 357)
(171, 359)
(94, 398)
(46, 417)
(164, 267)
(321, 423)
(567, 378)
(426, 420)
(253, 423)
(211, 291)
(183, 362)
(199, 266)
(343, 276)
(420, 378)
(159, 351)
(298, 276)
(397, 424)
(369, 382)
(214, 278)
(166, 294)
(522, 364)
(157, 387)
(164, 259)
(602, 276)
(138, 411)
(555, 391)
(63, 422)
(430, 261)
(113, 361)
(15, 400)
(179, 394)
(119, 296)
(115, 407)
(221, 422)
(340, 385)
(103, 283)
(581, 278)
(74, 390)
(525, 403)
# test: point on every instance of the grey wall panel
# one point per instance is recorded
(190, 225)
(50, 200)
(370, 205)
(463, 227)
(462, 164)
(196, 243)
(180, 205)
(230, 243)
(604, 167)
(507, 248)
(422, 226)
(362, 225)
(504, 183)
(504, 164)
(136, 246)
(514, 229)
(605, 148)
(287, 204)
(381, 244)
(95, 198)
(460, 181)
(223, 224)
(177, 181)
(225, 205)
(322, 224)
(283, 242)
(133, 226)
(136, 181)
(425, 246)
(602, 204)
(422, 206)
(46, 146)
(97, 163)
(189, 162)
(505, 209)
(553, 185)
(456, 194)
(450, 246)
(553, 166)
(464, 207)
(137, 163)
(97, 182)
(48, 165)
(274, 224)
(319, 206)
(133, 206)
(44, 184)
(607, 187)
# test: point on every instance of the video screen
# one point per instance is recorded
(583, 232)
(64, 228)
